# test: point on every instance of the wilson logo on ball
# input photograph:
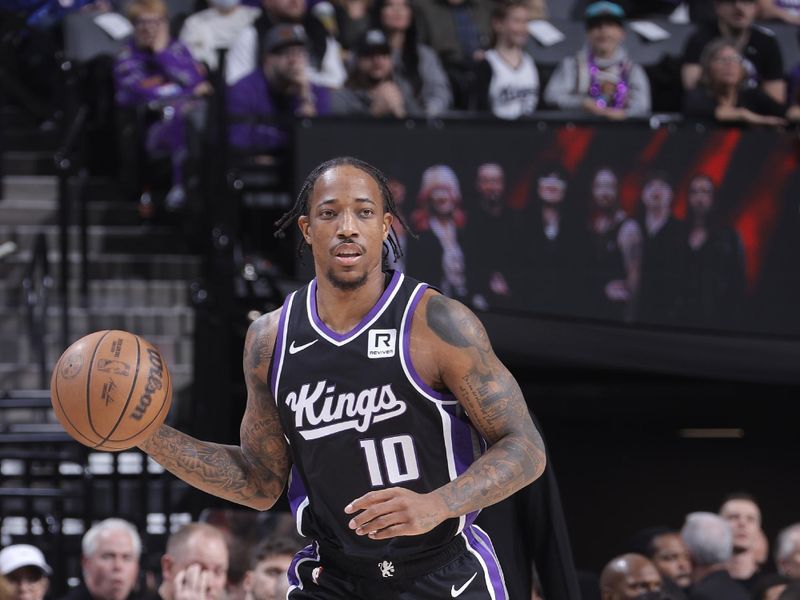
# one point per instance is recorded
(154, 383)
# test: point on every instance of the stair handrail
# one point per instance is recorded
(36, 286)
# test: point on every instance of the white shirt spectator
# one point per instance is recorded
(513, 92)
(209, 30)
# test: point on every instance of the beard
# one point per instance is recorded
(346, 285)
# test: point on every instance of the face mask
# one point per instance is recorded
(224, 4)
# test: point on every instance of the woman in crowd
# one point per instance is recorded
(415, 63)
(722, 94)
(507, 83)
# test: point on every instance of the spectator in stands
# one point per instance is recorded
(195, 564)
(770, 586)
(490, 218)
(601, 79)
(722, 93)
(537, 10)
(325, 54)
(710, 542)
(664, 253)
(506, 81)
(787, 11)
(263, 105)
(744, 516)
(352, 20)
(715, 282)
(616, 250)
(627, 577)
(415, 63)
(159, 73)
(372, 89)
(666, 549)
(459, 32)
(217, 27)
(25, 572)
(787, 552)
(110, 553)
(438, 254)
(759, 52)
(268, 565)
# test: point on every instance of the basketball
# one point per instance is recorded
(111, 390)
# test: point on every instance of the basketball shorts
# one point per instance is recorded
(467, 569)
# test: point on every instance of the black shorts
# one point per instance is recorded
(471, 573)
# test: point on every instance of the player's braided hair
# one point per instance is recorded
(300, 206)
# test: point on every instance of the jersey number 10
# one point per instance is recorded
(391, 448)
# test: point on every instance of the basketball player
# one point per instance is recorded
(398, 419)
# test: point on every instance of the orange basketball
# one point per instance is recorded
(111, 390)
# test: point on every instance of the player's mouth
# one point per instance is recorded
(348, 254)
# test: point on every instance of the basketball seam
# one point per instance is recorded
(64, 411)
(130, 394)
(89, 382)
(163, 404)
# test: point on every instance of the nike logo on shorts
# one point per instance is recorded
(295, 349)
(455, 593)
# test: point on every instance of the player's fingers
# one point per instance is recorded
(390, 532)
(379, 523)
(369, 499)
(373, 512)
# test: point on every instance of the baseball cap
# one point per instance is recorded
(22, 555)
(373, 42)
(603, 10)
(282, 36)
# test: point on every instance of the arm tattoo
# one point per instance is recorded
(494, 402)
(255, 472)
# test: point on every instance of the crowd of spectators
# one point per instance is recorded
(710, 556)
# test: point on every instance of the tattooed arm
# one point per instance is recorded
(254, 473)
(450, 349)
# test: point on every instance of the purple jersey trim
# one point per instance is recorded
(297, 491)
(279, 350)
(346, 337)
(410, 369)
(307, 553)
(482, 546)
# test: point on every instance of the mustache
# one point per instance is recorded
(349, 241)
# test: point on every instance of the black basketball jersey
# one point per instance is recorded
(359, 418)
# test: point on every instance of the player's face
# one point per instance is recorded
(27, 583)
(671, 558)
(604, 189)
(264, 578)
(491, 182)
(110, 573)
(346, 226)
(701, 195)
(396, 15)
(744, 518)
(605, 37)
(657, 194)
(737, 14)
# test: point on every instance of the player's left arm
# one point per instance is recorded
(462, 360)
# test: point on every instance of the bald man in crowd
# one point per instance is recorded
(195, 564)
(629, 577)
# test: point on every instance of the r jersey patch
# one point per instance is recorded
(382, 343)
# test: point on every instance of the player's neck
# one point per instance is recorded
(341, 310)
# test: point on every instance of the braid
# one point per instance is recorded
(300, 206)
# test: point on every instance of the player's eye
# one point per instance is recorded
(367, 212)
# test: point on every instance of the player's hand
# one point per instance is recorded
(191, 583)
(394, 512)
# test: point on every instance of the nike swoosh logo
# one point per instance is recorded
(455, 593)
(295, 349)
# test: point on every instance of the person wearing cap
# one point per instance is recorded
(372, 89)
(601, 79)
(262, 106)
(761, 53)
(26, 572)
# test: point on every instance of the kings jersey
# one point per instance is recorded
(359, 418)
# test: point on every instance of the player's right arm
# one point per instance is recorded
(253, 473)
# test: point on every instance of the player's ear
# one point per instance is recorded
(388, 219)
(303, 223)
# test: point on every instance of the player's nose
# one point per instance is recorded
(347, 225)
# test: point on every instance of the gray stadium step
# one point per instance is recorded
(28, 162)
(105, 293)
(44, 211)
